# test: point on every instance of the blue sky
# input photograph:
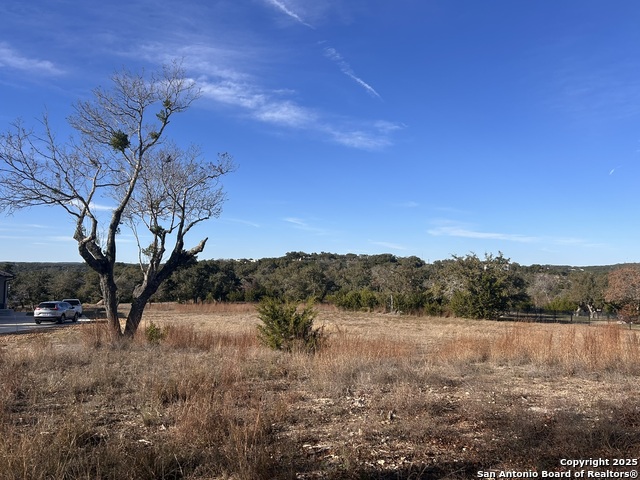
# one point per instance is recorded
(412, 127)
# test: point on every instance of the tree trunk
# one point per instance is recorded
(141, 295)
(135, 315)
(110, 298)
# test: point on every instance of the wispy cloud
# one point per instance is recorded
(389, 127)
(15, 237)
(233, 76)
(287, 11)
(572, 241)
(332, 54)
(390, 246)
(101, 208)
(360, 139)
(273, 107)
(10, 58)
(96, 207)
(586, 89)
(233, 93)
(243, 222)
(62, 238)
(285, 113)
(296, 221)
(263, 105)
(16, 227)
(329, 52)
(459, 231)
(452, 229)
(301, 224)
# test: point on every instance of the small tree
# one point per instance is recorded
(120, 155)
(287, 327)
(544, 288)
(623, 291)
(483, 288)
(31, 287)
(587, 291)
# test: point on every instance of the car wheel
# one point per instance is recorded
(75, 318)
(38, 322)
(62, 318)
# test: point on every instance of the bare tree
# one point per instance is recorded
(119, 157)
(543, 288)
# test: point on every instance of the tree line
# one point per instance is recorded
(467, 286)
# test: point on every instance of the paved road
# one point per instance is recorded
(19, 322)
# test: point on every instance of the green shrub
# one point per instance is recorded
(356, 300)
(414, 303)
(562, 304)
(154, 334)
(286, 326)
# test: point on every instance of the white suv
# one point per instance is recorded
(56, 311)
(75, 303)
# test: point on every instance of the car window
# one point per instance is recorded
(47, 305)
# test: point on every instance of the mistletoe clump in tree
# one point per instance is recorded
(120, 154)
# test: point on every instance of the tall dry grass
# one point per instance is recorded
(567, 348)
(451, 398)
(200, 308)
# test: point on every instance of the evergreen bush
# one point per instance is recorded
(356, 300)
(154, 334)
(286, 326)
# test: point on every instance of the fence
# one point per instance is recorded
(551, 316)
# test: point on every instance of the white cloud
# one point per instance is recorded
(285, 113)
(365, 140)
(12, 59)
(332, 54)
(101, 208)
(297, 222)
(96, 207)
(265, 106)
(301, 224)
(451, 229)
(243, 222)
(233, 93)
(234, 76)
(13, 227)
(273, 108)
(61, 238)
(458, 231)
(391, 246)
(287, 11)
(388, 127)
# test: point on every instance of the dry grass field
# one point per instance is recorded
(387, 397)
